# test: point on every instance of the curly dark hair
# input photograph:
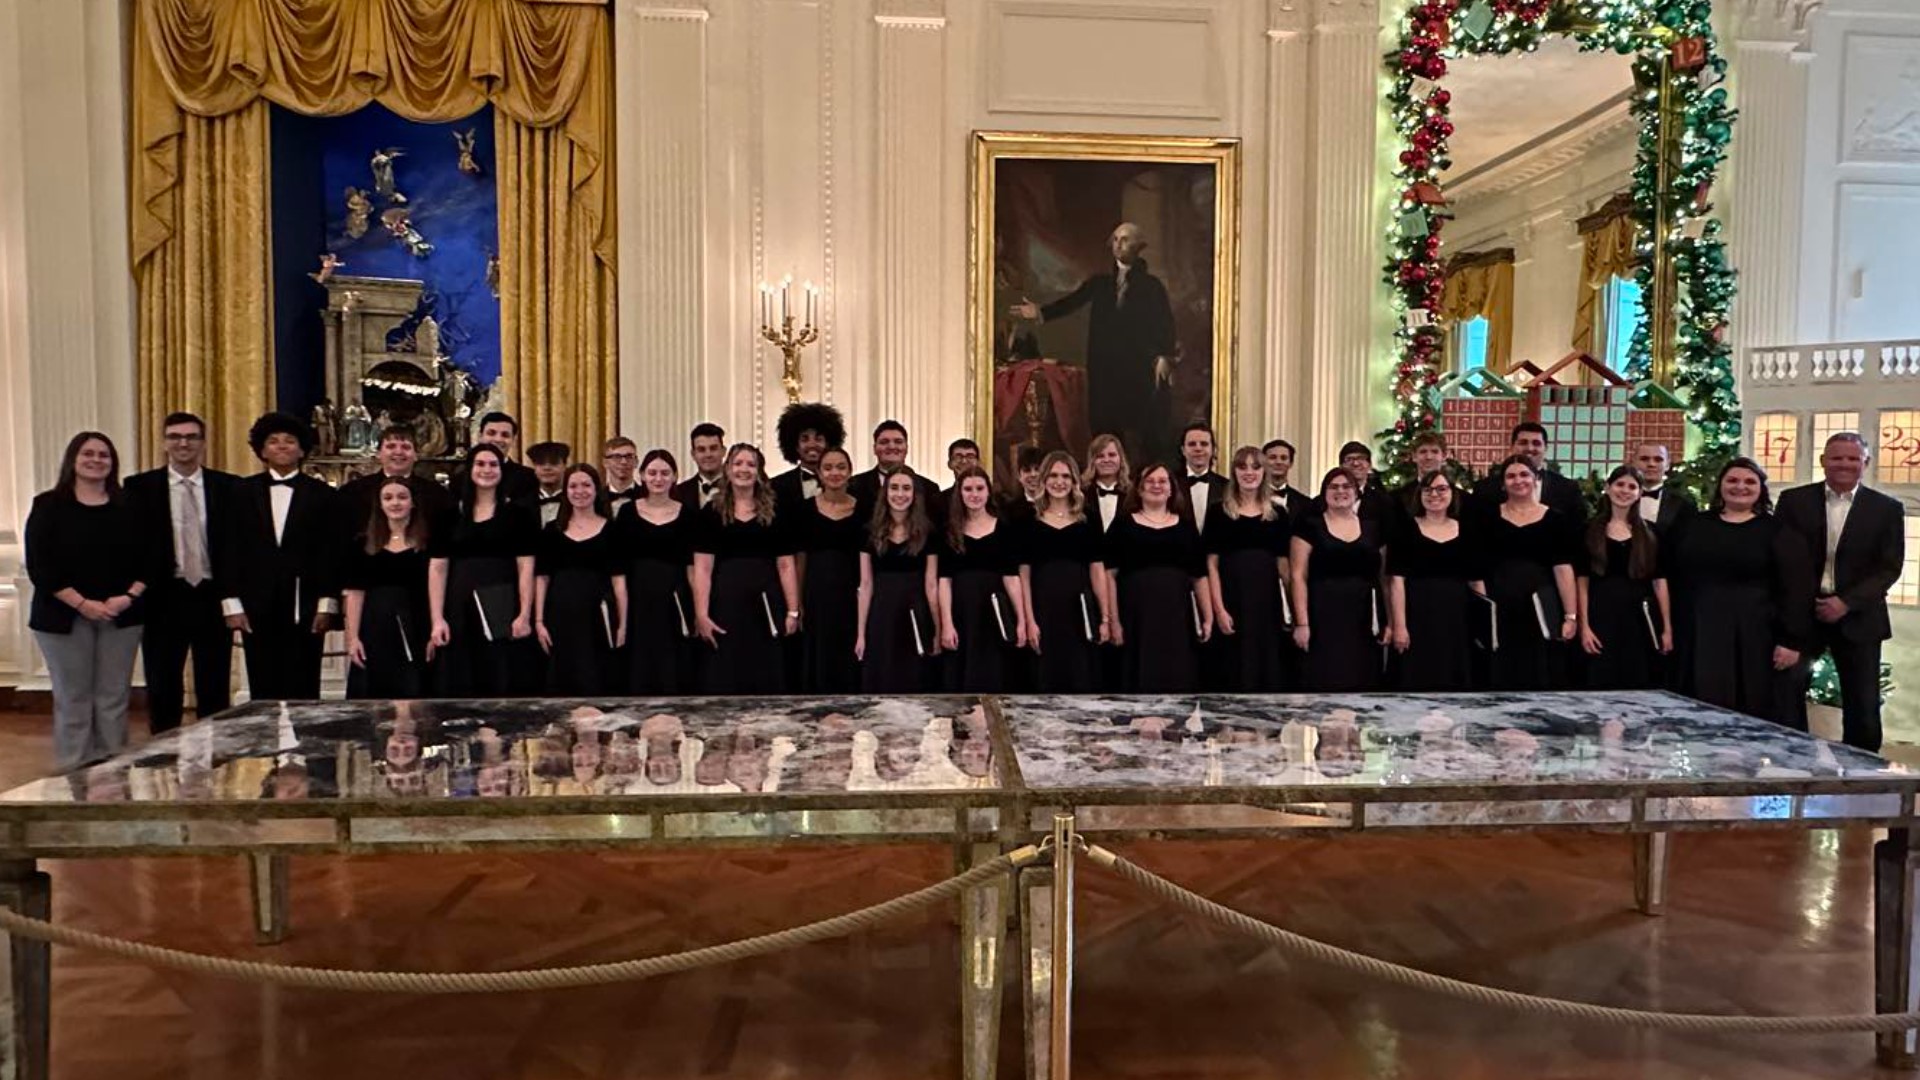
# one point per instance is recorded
(809, 416)
(280, 423)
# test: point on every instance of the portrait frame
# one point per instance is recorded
(990, 149)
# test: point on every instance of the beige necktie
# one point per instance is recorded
(193, 542)
(1120, 290)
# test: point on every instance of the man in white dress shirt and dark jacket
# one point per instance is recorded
(807, 429)
(1856, 544)
(1204, 487)
(182, 507)
(278, 568)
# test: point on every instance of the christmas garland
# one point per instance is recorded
(1656, 32)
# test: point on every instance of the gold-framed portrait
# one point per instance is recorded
(1103, 284)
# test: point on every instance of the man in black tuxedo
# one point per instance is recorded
(708, 443)
(517, 483)
(1856, 542)
(1659, 508)
(549, 461)
(398, 455)
(1529, 440)
(806, 431)
(1130, 346)
(1373, 503)
(1204, 487)
(1288, 499)
(182, 507)
(962, 454)
(619, 459)
(279, 567)
(890, 456)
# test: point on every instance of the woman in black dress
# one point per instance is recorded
(1626, 620)
(655, 535)
(480, 587)
(1064, 580)
(580, 590)
(899, 592)
(1747, 603)
(1107, 483)
(983, 616)
(387, 621)
(831, 538)
(746, 594)
(1336, 591)
(1246, 540)
(1157, 581)
(1428, 568)
(1527, 550)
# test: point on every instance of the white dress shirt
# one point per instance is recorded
(177, 486)
(1197, 498)
(1650, 505)
(809, 484)
(1109, 501)
(280, 497)
(1839, 505)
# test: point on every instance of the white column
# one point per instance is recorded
(916, 377)
(1766, 170)
(66, 292)
(1285, 410)
(1345, 243)
(661, 102)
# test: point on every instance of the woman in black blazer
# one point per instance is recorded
(89, 568)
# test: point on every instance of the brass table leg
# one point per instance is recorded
(1650, 872)
(983, 923)
(269, 877)
(1896, 963)
(26, 977)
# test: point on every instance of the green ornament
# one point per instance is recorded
(1478, 21)
(1413, 224)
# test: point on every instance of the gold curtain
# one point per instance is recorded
(1480, 285)
(1609, 240)
(204, 71)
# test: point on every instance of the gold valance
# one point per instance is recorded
(1480, 285)
(1610, 241)
(203, 71)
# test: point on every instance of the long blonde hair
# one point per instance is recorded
(1076, 495)
(1101, 442)
(762, 489)
(1233, 503)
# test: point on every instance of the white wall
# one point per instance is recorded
(829, 139)
(66, 294)
(1861, 222)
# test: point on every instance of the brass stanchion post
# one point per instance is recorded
(1060, 1059)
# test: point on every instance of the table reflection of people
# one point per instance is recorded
(1339, 750)
(1131, 350)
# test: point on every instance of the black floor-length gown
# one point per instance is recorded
(394, 623)
(901, 632)
(830, 595)
(985, 621)
(1059, 561)
(1745, 592)
(1156, 568)
(1343, 607)
(482, 659)
(1255, 657)
(1439, 655)
(1519, 562)
(1619, 607)
(746, 601)
(580, 612)
(660, 643)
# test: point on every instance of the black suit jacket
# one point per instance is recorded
(1675, 506)
(1297, 505)
(360, 497)
(688, 491)
(1867, 560)
(1216, 490)
(1091, 494)
(789, 490)
(152, 502)
(282, 580)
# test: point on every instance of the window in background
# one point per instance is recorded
(1898, 459)
(1776, 446)
(1907, 590)
(1620, 306)
(1469, 339)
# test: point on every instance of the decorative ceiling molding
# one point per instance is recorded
(1347, 15)
(1778, 21)
(911, 14)
(672, 10)
(1545, 155)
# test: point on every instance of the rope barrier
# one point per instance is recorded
(1426, 982)
(488, 982)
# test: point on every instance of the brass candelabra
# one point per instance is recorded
(788, 330)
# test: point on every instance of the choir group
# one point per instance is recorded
(1092, 574)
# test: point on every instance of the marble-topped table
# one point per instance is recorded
(1646, 763)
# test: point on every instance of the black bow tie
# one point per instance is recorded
(1108, 493)
(1651, 493)
(707, 486)
(546, 499)
(287, 483)
(806, 474)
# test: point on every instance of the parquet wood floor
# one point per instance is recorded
(1758, 922)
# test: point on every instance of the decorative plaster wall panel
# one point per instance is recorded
(1134, 60)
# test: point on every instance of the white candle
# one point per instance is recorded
(786, 299)
(813, 305)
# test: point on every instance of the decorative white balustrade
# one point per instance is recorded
(1838, 363)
